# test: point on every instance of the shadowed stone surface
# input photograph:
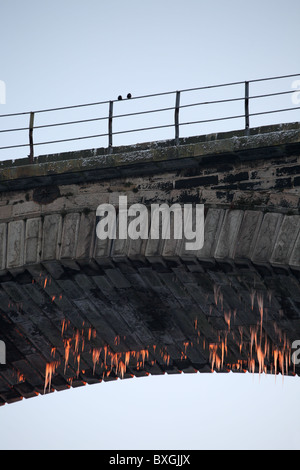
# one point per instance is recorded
(76, 310)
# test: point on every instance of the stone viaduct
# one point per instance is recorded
(77, 310)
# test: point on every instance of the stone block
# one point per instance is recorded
(286, 240)
(3, 241)
(266, 238)
(294, 261)
(86, 235)
(102, 249)
(69, 236)
(197, 182)
(15, 244)
(117, 278)
(226, 243)
(33, 240)
(247, 235)
(212, 227)
(52, 228)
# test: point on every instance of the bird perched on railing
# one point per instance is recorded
(120, 97)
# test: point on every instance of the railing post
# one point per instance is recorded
(110, 119)
(177, 106)
(247, 123)
(31, 122)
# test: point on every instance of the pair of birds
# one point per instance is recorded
(128, 97)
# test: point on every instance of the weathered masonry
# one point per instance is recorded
(76, 310)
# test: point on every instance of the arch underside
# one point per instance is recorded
(121, 309)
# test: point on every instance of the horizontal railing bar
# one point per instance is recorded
(238, 116)
(88, 120)
(72, 139)
(62, 108)
(15, 114)
(242, 98)
(56, 141)
(14, 146)
(144, 129)
(89, 137)
(275, 111)
(14, 130)
(239, 83)
(274, 78)
(225, 118)
(267, 95)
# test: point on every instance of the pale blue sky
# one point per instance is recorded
(61, 53)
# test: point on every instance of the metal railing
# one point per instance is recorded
(176, 108)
